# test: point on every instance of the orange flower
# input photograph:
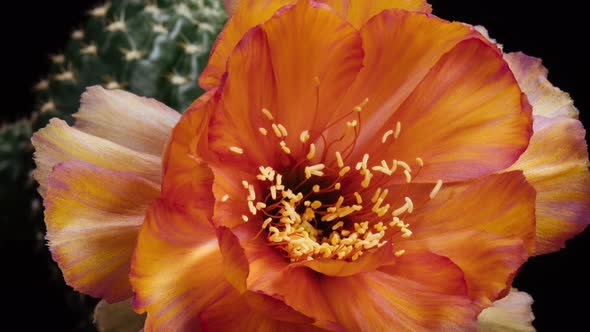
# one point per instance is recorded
(339, 174)
(352, 167)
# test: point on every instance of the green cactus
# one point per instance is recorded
(154, 48)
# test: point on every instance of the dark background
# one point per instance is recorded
(555, 32)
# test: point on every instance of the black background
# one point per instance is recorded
(555, 32)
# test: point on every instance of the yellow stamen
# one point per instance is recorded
(339, 159)
(304, 137)
(386, 135)
(263, 131)
(311, 152)
(436, 188)
(237, 150)
(268, 114)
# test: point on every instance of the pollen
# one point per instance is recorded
(386, 135)
(311, 152)
(268, 114)
(436, 189)
(314, 206)
(304, 136)
(236, 150)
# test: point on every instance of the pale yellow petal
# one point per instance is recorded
(138, 123)
(510, 314)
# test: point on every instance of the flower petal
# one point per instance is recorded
(380, 301)
(177, 268)
(117, 317)
(447, 87)
(556, 165)
(268, 70)
(357, 12)
(93, 217)
(58, 142)
(248, 13)
(138, 123)
(242, 312)
(488, 261)
(546, 99)
(512, 313)
(502, 204)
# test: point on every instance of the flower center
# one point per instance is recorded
(330, 209)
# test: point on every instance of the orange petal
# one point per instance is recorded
(501, 204)
(177, 268)
(488, 261)
(93, 217)
(138, 123)
(58, 142)
(286, 80)
(380, 301)
(546, 99)
(248, 13)
(357, 12)
(512, 313)
(447, 87)
(266, 272)
(432, 272)
(243, 312)
(117, 317)
(556, 165)
(186, 175)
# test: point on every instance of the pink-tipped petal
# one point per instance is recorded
(93, 217)
(138, 123)
(59, 142)
(556, 165)
(546, 99)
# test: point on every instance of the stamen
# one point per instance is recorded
(339, 159)
(237, 150)
(263, 131)
(314, 170)
(361, 105)
(251, 208)
(399, 253)
(316, 188)
(436, 188)
(251, 193)
(359, 199)
(398, 129)
(245, 218)
(351, 124)
(410, 204)
(337, 225)
(268, 114)
(282, 129)
(224, 198)
(386, 135)
(260, 206)
(266, 222)
(284, 147)
(304, 137)
(420, 162)
(275, 128)
(311, 152)
(337, 186)
(245, 184)
(344, 171)
(408, 176)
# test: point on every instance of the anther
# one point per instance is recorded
(398, 129)
(268, 114)
(339, 159)
(436, 188)
(236, 150)
(311, 152)
(224, 198)
(263, 131)
(304, 137)
(386, 135)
